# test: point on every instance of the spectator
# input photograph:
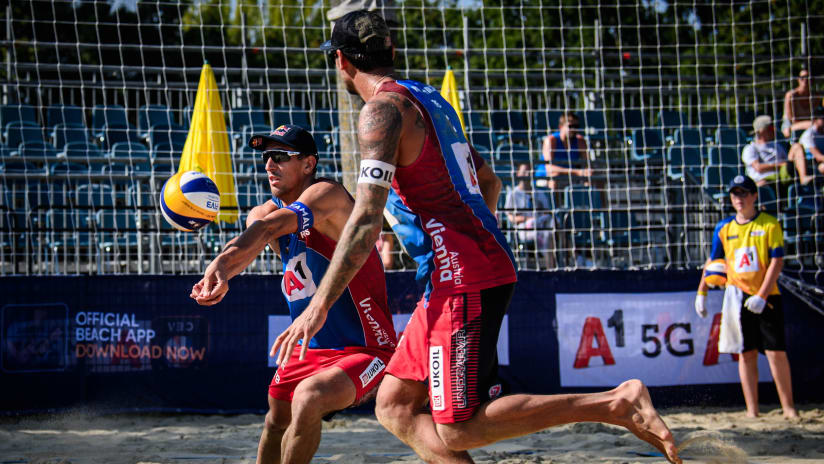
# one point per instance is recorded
(811, 144)
(752, 245)
(798, 104)
(530, 211)
(765, 157)
(563, 149)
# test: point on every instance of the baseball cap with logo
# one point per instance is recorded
(760, 123)
(743, 182)
(359, 32)
(294, 137)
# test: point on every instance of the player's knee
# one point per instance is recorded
(456, 437)
(388, 412)
(275, 423)
(308, 400)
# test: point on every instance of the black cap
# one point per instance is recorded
(743, 182)
(359, 32)
(294, 137)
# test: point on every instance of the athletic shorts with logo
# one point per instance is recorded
(452, 342)
(364, 366)
(764, 331)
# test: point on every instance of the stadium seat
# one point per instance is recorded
(172, 134)
(767, 199)
(18, 166)
(69, 115)
(671, 120)
(581, 196)
(15, 112)
(724, 156)
(139, 197)
(108, 136)
(509, 127)
(804, 199)
(507, 158)
(593, 126)
(745, 119)
(80, 151)
(709, 121)
(543, 121)
(291, 115)
(628, 120)
(94, 196)
(689, 137)
(38, 152)
(66, 167)
(149, 116)
(63, 133)
(246, 116)
(110, 125)
(732, 137)
(163, 157)
(648, 145)
(622, 229)
(117, 231)
(716, 178)
(684, 159)
(18, 132)
(325, 119)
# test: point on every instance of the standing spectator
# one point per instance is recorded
(798, 105)
(811, 143)
(752, 244)
(564, 149)
(765, 158)
(530, 211)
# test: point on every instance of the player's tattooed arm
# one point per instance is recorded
(379, 130)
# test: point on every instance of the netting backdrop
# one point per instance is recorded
(97, 97)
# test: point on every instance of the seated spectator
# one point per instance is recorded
(811, 144)
(765, 158)
(798, 105)
(530, 210)
(563, 149)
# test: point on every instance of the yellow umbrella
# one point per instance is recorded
(449, 91)
(207, 145)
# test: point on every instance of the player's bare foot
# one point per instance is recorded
(635, 411)
(790, 413)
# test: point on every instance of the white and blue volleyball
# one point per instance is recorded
(189, 200)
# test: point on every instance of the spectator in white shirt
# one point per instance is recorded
(765, 158)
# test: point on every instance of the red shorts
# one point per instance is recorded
(453, 341)
(364, 366)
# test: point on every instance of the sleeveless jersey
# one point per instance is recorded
(441, 189)
(747, 250)
(360, 317)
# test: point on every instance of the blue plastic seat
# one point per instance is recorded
(593, 125)
(17, 112)
(681, 160)
(648, 144)
(94, 196)
(716, 178)
(109, 116)
(627, 120)
(804, 199)
(767, 199)
(67, 133)
(172, 134)
(509, 127)
(730, 137)
(66, 167)
(709, 121)
(688, 137)
(325, 119)
(247, 116)
(291, 115)
(149, 116)
(39, 152)
(80, 151)
(69, 115)
(745, 119)
(671, 120)
(129, 150)
(18, 132)
(724, 156)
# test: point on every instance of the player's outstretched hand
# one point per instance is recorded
(755, 304)
(701, 305)
(304, 327)
(211, 289)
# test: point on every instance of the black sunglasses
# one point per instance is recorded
(279, 156)
(573, 126)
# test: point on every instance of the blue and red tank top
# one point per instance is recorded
(440, 189)
(360, 317)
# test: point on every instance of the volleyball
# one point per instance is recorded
(189, 200)
(715, 275)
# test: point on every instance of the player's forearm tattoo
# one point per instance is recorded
(379, 130)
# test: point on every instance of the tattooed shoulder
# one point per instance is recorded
(379, 129)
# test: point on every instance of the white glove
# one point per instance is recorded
(755, 304)
(701, 305)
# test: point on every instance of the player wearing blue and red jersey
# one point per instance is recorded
(752, 244)
(346, 359)
(411, 142)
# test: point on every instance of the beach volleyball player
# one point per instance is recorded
(411, 141)
(346, 358)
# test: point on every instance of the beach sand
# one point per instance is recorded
(720, 436)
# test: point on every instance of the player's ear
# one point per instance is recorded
(309, 166)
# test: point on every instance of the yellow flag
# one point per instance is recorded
(207, 145)
(449, 91)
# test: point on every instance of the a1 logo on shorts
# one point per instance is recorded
(746, 259)
(297, 282)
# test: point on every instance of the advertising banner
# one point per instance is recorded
(606, 338)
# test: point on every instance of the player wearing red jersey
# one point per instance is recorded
(410, 142)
